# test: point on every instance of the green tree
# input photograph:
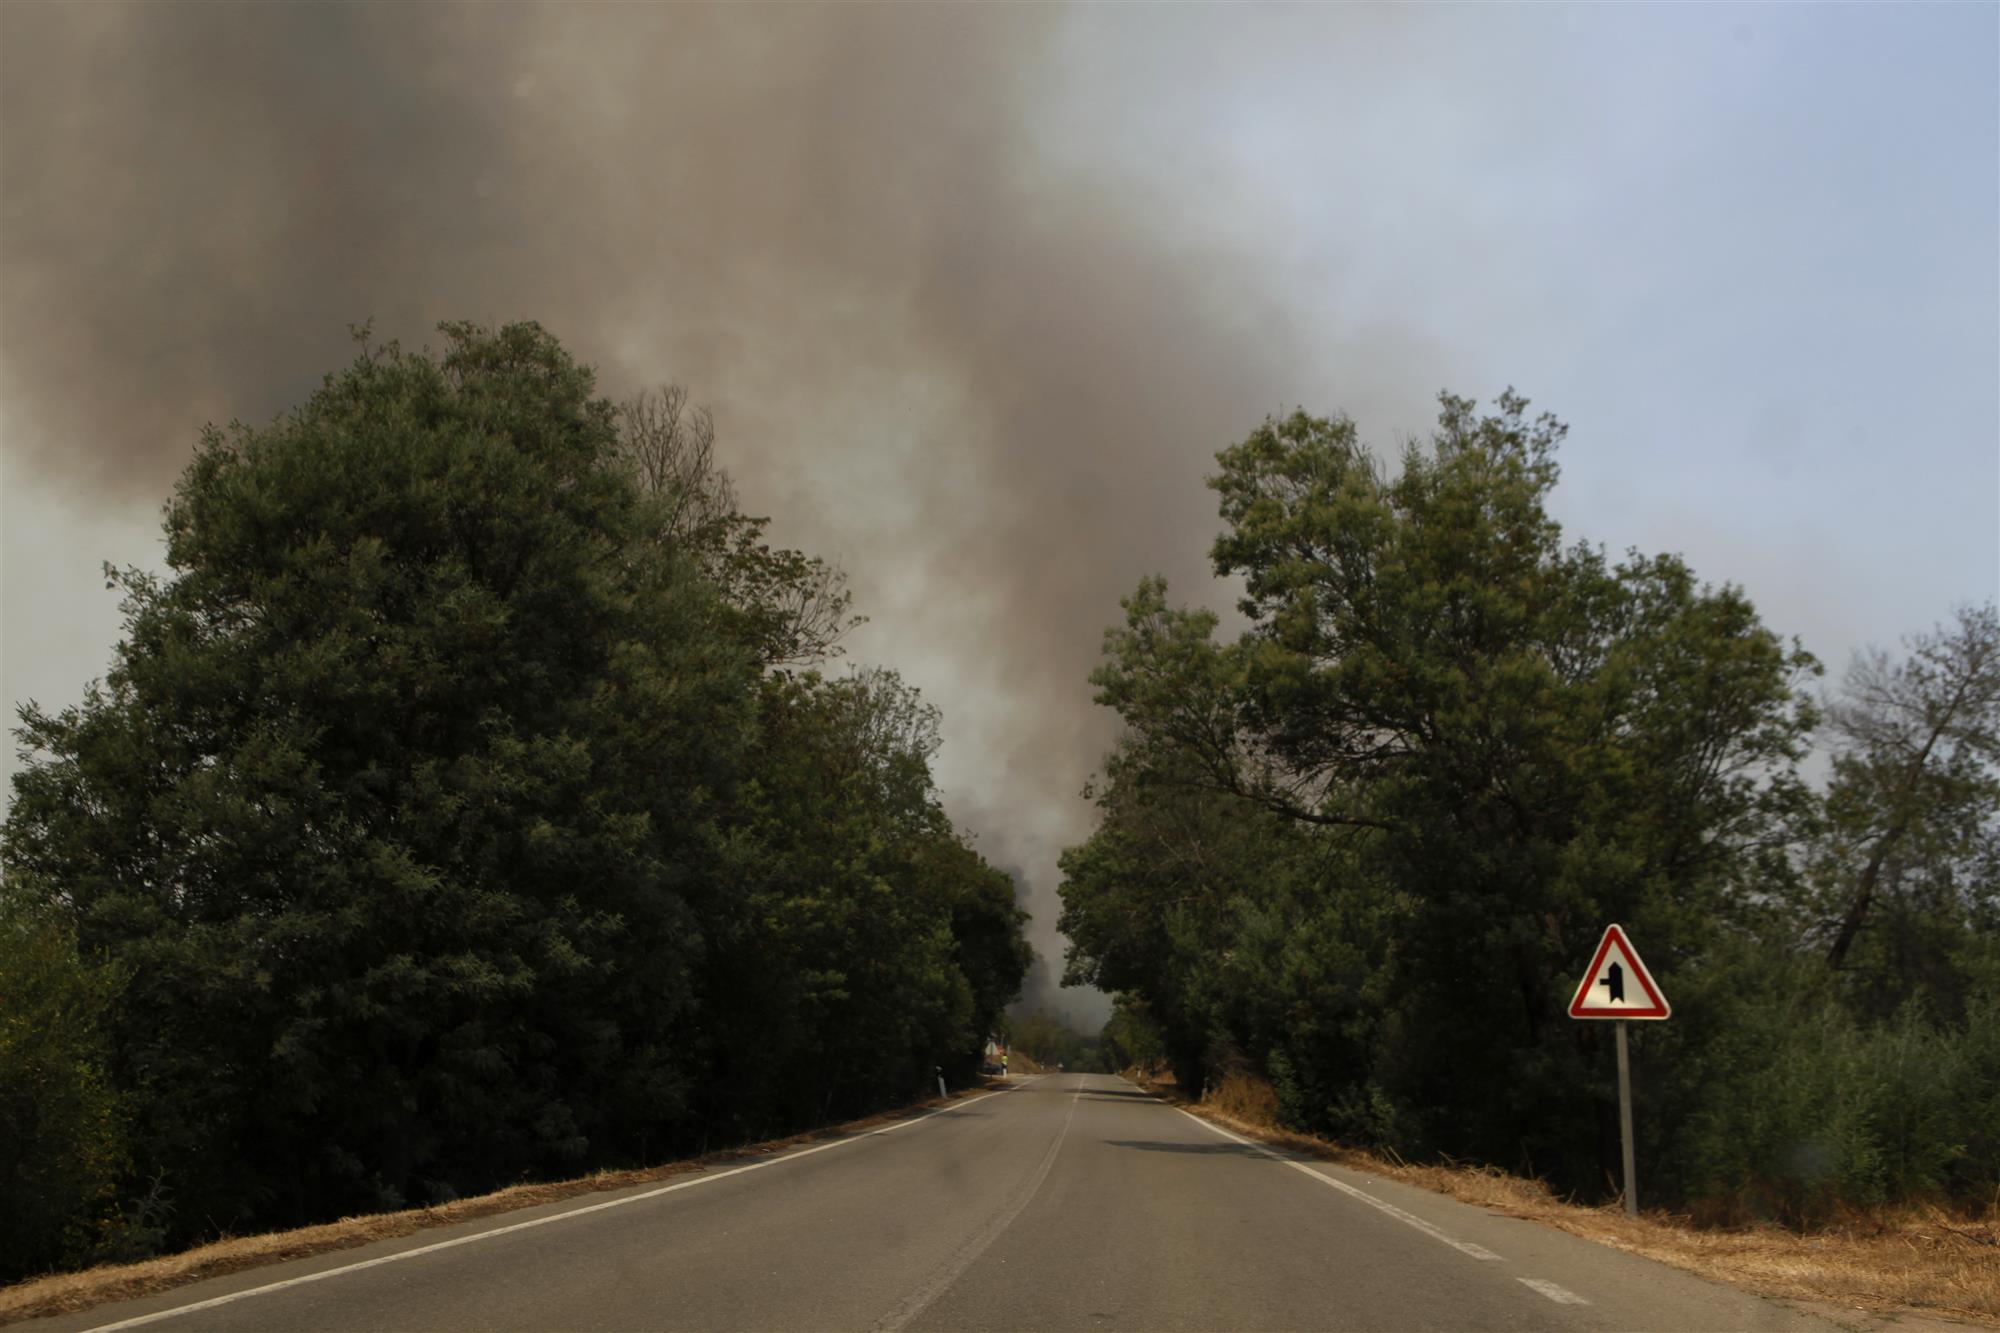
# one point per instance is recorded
(397, 807)
(1912, 812)
(1051, 1042)
(1152, 901)
(1129, 1037)
(871, 946)
(62, 1125)
(469, 804)
(1506, 741)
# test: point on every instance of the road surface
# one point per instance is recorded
(1064, 1202)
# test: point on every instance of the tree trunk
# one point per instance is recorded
(1857, 911)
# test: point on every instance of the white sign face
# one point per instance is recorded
(1617, 984)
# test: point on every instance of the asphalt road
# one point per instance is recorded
(1064, 1202)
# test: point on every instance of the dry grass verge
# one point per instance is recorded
(59, 1293)
(1917, 1261)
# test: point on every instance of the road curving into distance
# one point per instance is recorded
(1067, 1201)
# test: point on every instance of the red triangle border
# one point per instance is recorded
(1579, 1006)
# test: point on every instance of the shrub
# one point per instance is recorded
(62, 1126)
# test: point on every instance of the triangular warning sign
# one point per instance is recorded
(1618, 984)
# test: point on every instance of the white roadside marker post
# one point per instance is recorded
(1613, 969)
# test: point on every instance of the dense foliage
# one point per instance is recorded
(1367, 846)
(1050, 1041)
(469, 804)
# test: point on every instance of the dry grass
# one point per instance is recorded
(62, 1292)
(1915, 1261)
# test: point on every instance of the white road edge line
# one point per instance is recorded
(234, 1296)
(1560, 1295)
(1407, 1218)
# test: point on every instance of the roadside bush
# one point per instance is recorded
(1791, 1110)
(1973, 1178)
(62, 1145)
(1247, 1097)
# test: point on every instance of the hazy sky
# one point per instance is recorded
(976, 294)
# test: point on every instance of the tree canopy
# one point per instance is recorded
(471, 802)
(1365, 845)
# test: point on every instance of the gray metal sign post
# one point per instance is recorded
(1625, 1124)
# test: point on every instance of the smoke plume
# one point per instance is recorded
(971, 321)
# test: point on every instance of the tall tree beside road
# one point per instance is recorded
(396, 805)
(866, 944)
(1170, 874)
(472, 727)
(1916, 785)
(1501, 742)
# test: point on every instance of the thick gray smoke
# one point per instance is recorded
(951, 338)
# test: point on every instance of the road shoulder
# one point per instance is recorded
(1866, 1287)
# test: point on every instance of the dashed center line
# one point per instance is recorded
(920, 1300)
(1560, 1295)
